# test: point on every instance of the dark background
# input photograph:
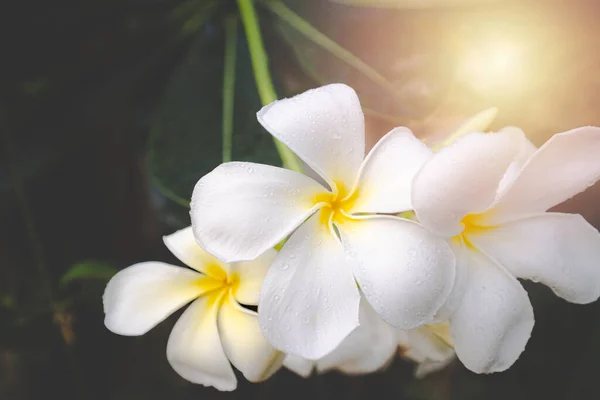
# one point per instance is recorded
(110, 110)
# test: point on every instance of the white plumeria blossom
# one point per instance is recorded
(215, 330)
(310, 301)
(430, 346)
(369, 348)
(489, 194)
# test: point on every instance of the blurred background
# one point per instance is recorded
(111, 110)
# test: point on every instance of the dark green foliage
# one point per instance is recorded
(185, 142)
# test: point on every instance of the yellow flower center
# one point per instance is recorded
(217, 282)
(232, 283)
(473, 224)
(335, 205)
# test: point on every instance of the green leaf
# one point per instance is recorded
(193, 14)
(95, 270)
(186, 140)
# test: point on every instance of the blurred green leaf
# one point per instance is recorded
(186, 140)
(193, 14)
(97, 270)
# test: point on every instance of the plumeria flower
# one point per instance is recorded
(369, 348)
(489, 195)
(214, 330)
(310, 300)
(430, 346)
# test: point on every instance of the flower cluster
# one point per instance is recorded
(404, 250)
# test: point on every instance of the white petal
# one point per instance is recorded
(194, 349)
(429, 346)
(325, 127)
(299, 365)
(565, 165)
(240, 210)
(462, 178)
(309, 300)
(494, 323)
(367, 349)
(461, 279)
(405, 272)
(184, 246)
(251, 275)
(561, 251)
(425, 343)
(526, 150)
(385, 178)
(244, 343)
(139, 297)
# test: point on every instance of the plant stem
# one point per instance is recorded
(262, 76)
(229, 84)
